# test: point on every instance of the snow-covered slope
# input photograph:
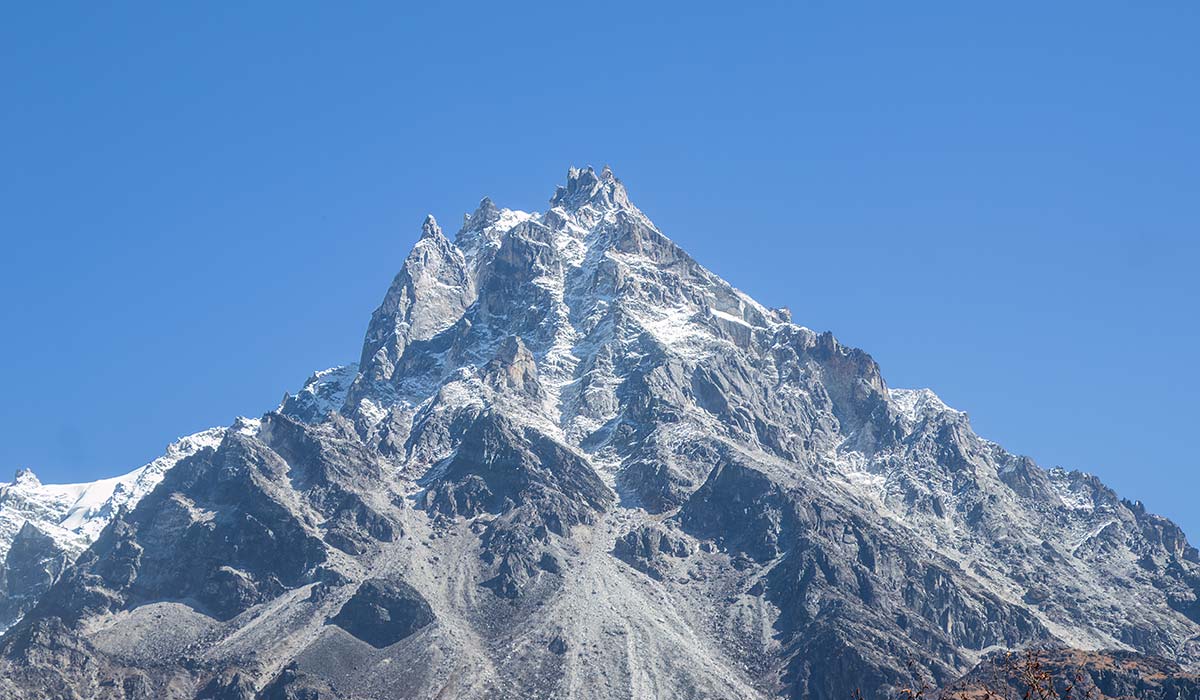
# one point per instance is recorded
(323, 393)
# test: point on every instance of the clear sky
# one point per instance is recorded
(201, 205)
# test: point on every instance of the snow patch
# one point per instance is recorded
(919, 404)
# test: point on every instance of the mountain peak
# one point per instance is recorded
(27, 477)
(584, 187)
(430, 228)
(484, 214)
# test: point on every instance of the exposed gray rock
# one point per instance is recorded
(228, 685)
(34, 562)
(383, 612)
(295, 685)
(645, 548)
(72, 516)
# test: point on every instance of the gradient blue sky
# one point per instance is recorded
(201, 205)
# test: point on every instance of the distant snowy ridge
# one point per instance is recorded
(74, 514)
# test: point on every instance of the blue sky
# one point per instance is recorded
(201, 205)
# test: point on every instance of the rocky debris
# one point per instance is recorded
(382, 612)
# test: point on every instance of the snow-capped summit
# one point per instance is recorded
(584, 187)
(26, 477)
(430, 227)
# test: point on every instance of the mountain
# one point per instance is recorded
(572, 462)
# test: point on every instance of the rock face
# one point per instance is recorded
(34, 562)
(572, 462)
(383, 612)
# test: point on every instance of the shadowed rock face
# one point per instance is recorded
(218, 532)
(572, 462)
(33, 563)
(291, 684)
(382, 613)
(517, 466)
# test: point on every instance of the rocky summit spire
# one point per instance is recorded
(585, 187)
(430, 228)
(431, 290)
(27, 477)
(486, 213)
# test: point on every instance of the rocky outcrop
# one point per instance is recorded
(294, 685)
(431, 290)
(383, 612)
(645, 548)
(34, 562)
(219, 533)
